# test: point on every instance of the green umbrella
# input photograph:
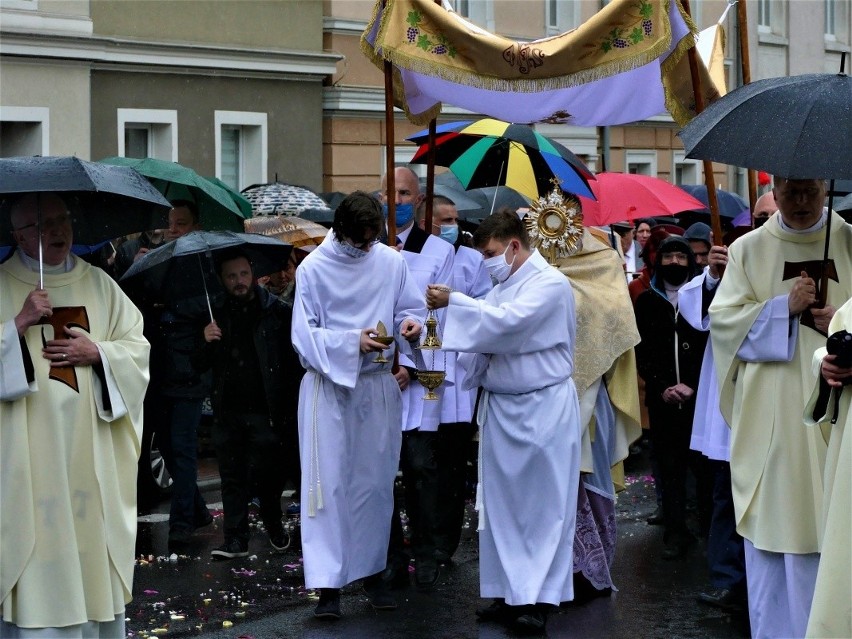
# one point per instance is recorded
(243, 204)
(216, 207)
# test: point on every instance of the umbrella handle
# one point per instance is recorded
(499, 177)
(204, 283)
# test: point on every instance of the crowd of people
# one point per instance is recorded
(551, 370)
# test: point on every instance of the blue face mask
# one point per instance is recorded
(404, 213)
(450, 233)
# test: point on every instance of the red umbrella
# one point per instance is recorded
(629, 196)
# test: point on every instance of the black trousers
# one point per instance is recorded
(671, 430)
(725, 551)
(420, 481)
(453, 450)
(250, 456)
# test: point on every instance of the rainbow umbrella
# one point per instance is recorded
(491, 152)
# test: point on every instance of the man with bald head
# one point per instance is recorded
(74, 370)
(765, 323)
(764, 207)
(430, 261)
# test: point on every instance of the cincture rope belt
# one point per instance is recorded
(315, 500)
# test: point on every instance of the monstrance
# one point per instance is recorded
(555, 224)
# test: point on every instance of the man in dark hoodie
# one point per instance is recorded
(255, 381)
(669, 359)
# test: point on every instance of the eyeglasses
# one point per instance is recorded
(48, 223)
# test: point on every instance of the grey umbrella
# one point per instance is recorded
(184, 268)
(104, 201)
(796, 127)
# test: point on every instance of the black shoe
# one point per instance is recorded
(203, 519)
(677, 548)
(426, 574)
(231, 549)
(722, 598)
(379, 594)
(279, 541)
(656, 517)
(498, 611)
(530, 621)
(395, 578)
(179, 537)
(443, 558)
(328, 606)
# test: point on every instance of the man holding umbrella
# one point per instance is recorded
(74, 370)
(255, 375)
(765, 324)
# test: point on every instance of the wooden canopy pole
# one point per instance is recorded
(389, 157)
(709, 181)
(745, 64)
(430, 175)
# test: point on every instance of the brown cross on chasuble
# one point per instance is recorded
(74, 316)
(814, 269)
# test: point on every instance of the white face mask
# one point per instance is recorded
(498, 267)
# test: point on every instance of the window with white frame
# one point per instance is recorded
(401, 157)
(480, 12)
(561, 15)
(764, 15)
(837, 20)
(641, 162)
(24, 131)
(241, 147)
(147, 133)
(830, 24)
(685, 171)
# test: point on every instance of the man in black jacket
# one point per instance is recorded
(669, 359)
(255, 381)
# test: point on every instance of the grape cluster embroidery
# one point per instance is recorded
(416, 34)
(624, 37)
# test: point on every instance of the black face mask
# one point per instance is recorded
(760, 221)
(673, 274)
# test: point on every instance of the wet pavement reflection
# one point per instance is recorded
(263, 595)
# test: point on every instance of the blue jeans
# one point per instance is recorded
(177, 433)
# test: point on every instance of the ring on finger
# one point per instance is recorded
(64, 356)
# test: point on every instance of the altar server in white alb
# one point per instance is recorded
(73, 372)
(521, 337)
(349, 405)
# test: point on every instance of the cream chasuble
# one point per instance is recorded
(763, 363)
(67, 462)
(831, 610)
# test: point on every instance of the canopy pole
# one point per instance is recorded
(709, 180)
(745, 65)
(430, 174)
(389, 154)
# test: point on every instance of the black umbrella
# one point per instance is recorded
(797, 127)
(105, 201)
(185, 268)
